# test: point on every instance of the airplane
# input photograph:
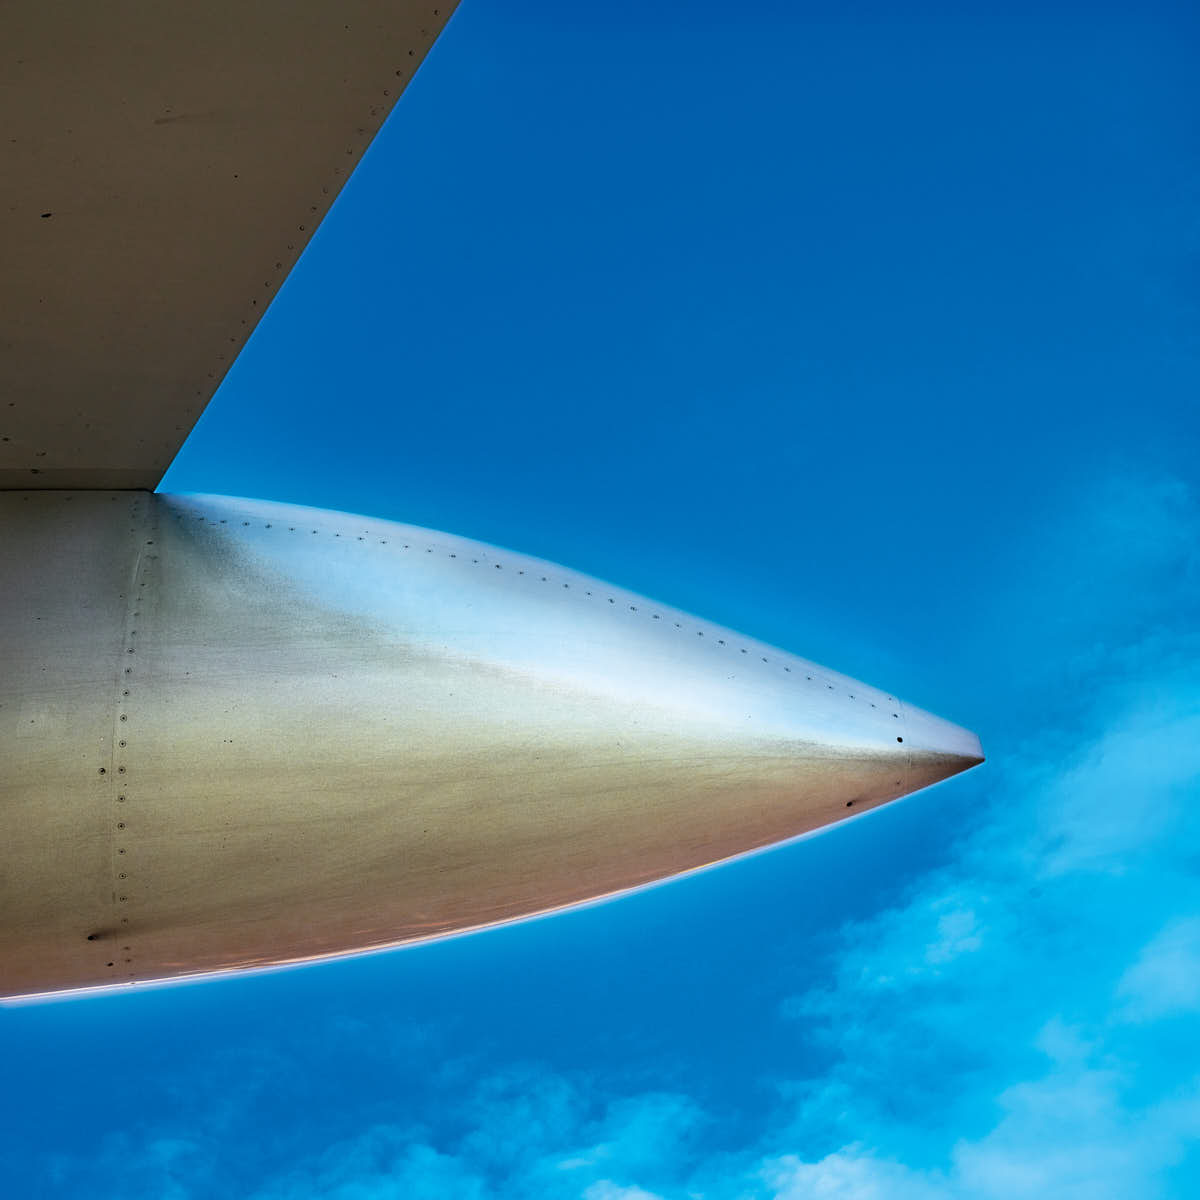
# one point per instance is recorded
(238, 734)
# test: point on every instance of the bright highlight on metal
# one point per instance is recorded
(237, 734)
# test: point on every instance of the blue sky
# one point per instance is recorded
(871, 336)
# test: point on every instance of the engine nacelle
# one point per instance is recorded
(236, 734)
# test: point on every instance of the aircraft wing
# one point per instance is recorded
(162, 166)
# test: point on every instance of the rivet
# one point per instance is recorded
(899, 739)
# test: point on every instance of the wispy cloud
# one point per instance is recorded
(1165, 979)
(534, 1134)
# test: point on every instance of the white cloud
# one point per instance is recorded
(958, 933)
(1123, 797)
(382, 1163)
(1073, 1134)
(846, 1174)
(1165, 980)
(534, 1134)
(606, 1190)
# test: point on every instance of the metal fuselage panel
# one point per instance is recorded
(236, 734)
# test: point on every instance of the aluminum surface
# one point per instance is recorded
(162, 167)
(235, 734)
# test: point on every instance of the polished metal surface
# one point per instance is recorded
(236, 734)
(162, 166)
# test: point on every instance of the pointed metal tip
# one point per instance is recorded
(971, 752)
(937, 748)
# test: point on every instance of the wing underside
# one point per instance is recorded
(163, 166)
